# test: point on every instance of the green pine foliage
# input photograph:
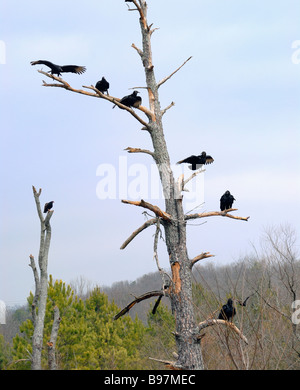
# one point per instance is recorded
(4, 352)
(159, 341)
(88, 337)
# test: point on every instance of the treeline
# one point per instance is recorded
(89, 338)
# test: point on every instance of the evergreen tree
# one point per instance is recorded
(4, 352)
(88, 336)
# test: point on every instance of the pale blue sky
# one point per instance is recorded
(238, 99)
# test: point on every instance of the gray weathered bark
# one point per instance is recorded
(180, 291)
(41, 284)
(52, 342)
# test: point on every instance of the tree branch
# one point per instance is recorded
(37, 202)
(273, 307)
(37, 288)
(168, 77)
(139, 8)
(192, 176)
(210, 322)
(156, 304)
(167, 108)
(138, 150)
(150, 222)
(215, 213)
(137, 300)
(63, 84)
(163, 274)
(140, 52)
(203, 255)
(151, 207)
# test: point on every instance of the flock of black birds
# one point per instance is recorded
(133, 100)
(228, 310)
(102, 85)
(196, 162)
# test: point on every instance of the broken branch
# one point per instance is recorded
(157, 211)
(216, 213)
(137, 300)
(203, 255)
(210, 322)
(167, 108)
(155, 255)
(138, 150)
(192, 176)
(140, 52)
(137, 231)
(175, 71)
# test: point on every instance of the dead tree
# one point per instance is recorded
(173, 218)
(38, 307)
(53, 337)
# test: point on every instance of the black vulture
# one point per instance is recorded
(197, 161)
(102, 85)
(228, 311)
(48, 206)
(131, 100)
(226, 201)
(58, 69)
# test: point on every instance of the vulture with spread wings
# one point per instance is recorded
(58, 69)
(197, 161)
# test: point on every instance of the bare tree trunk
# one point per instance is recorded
(41, 284)
(180, 292)
(52, 342)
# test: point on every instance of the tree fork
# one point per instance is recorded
(41, 283)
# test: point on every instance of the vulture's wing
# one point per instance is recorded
(73, 69)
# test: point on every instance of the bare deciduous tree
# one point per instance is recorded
(173, 219)
(38, 308)
(53, 337)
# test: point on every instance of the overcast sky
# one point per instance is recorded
(237, 99)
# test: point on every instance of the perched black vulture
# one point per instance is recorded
(197, 161)
(48, 206)
(57, 69)
(102, 85)
(131, 100)
(228, 311)
(226, 201)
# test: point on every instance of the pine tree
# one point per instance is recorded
(88, 336)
